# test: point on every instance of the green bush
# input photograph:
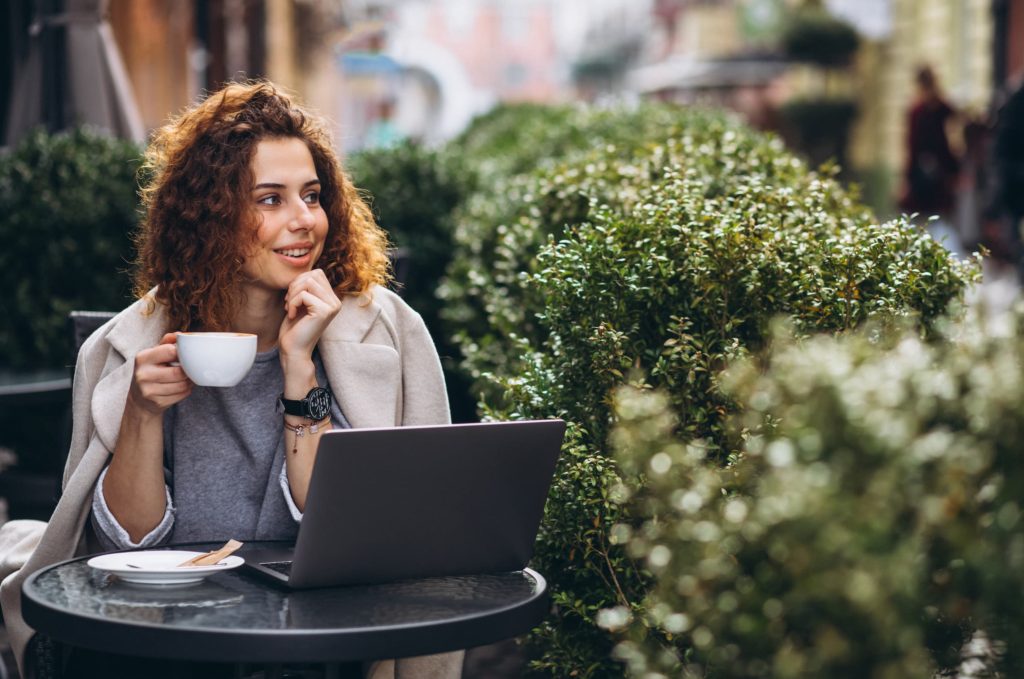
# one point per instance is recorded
(413, 192)
(872, 520)
(819, 127)
(816, 36)
(68, 205)
(604, 155)
(512, 138)
(665, 254)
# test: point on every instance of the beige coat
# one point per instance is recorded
(383, 369)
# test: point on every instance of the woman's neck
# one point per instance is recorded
(261, 314)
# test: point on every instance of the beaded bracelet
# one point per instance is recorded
(300, 431)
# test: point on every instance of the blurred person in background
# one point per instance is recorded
(974, 186)
(1008, 165)
(383, 133)
(930, 177)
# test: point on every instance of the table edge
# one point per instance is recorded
(284, 645)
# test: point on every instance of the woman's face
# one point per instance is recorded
(292, 225)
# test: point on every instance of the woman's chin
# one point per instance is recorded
(276, 287)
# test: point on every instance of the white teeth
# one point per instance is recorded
(294, 253)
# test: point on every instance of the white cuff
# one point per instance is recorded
(118, 535)
(287, 490)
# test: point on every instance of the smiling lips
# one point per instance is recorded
(294, 252)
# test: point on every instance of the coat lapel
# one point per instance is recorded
(365, 377)
(129, 336)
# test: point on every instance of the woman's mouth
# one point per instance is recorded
(294, 252)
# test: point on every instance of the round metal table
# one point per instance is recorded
(235, 617)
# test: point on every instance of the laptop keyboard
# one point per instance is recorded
(283, 567)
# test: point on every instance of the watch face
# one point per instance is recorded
(319, 403)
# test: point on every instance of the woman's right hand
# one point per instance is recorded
(156, 383)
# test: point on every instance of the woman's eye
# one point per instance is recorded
(269, 200)
(312, 198)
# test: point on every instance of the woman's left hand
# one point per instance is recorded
(310, 305)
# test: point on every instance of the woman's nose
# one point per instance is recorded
(302, 219)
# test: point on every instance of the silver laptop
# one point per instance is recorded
(413, 502)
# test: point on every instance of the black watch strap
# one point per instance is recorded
(316, 406)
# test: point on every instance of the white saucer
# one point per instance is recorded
(159, 567)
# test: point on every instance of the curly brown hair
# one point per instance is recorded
(199, 222)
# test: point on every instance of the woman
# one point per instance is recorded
(251, 226)
(932, 169)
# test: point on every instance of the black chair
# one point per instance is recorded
(31, 487)
(33, 494)
(81, 324)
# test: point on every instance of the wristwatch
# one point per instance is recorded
(316, 406)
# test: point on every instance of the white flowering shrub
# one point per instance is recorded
(870, 521)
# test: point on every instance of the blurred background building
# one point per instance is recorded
(442, 63)
(834, 77)
(153, 57)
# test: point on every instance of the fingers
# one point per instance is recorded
(314, 282)
(152, 369)
(311, 293)
(158, 382)
(162, 354)
(310, 306)
(313, 279)
(162, 395)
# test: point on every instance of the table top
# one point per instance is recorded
(234, 616)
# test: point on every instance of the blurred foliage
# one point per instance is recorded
(814, 35)
(870, 522)
(877, 185)
(817, 124)
(413, 192)
(818, 127)
(539, 171)
(655, 253)
(511, 138)
(68, 206)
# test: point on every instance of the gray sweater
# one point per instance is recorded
(223, 464)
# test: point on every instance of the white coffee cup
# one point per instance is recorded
(216, 359)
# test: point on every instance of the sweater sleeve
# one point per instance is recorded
(287, 491)
(112, 536)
